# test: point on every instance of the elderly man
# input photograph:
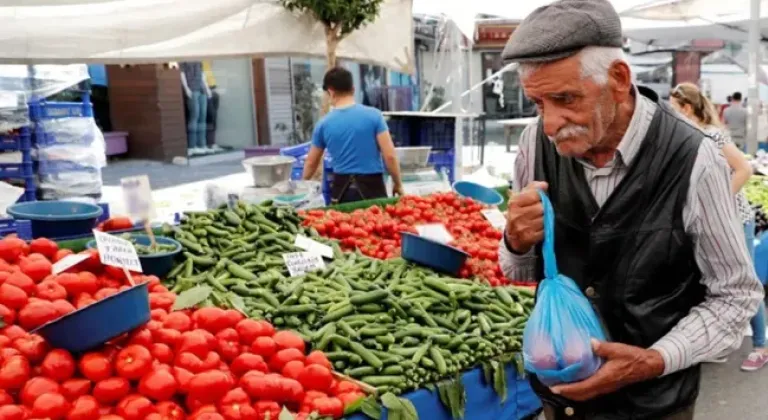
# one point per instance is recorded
(645, 223)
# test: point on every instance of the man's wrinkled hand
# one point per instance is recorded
(525, 218)
(622, 365)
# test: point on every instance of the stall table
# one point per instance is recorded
(482, 401)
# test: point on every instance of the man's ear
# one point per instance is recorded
(619, 80)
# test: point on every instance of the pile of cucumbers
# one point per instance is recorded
(391, 324)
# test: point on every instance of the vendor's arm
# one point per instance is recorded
(733, 291)
(389, 156)
(521, 266)
(315, 155)
(742, 170)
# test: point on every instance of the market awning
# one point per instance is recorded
(131, 31)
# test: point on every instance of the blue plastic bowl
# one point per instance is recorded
(96, 324)
(56, 219)
(478, 193)
(156, 264)
(432, 254)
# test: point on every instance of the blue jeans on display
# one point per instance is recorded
(758, 321)
(197, 105)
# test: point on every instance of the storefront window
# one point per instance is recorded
(218, 98)
(504, 98)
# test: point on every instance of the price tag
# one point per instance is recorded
(299, 263)
(495, 218)
(137, 194)
(68, 262)
(117, 252)
(311, 245)
(436, 232)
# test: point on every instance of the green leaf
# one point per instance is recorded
(2, 323)
(453, 396)
(191, 297)
(399, 407)
(430, 387)
(285, 415)
(237, 303)
(520, 365)
(371, 408)
(354, 407)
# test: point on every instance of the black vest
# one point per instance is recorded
(634, 254)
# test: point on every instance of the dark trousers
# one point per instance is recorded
(551, 414)
(348, 188)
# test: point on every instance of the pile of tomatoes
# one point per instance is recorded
(208, 363)
(375, 231)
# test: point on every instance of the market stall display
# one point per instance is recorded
(390, 328)
(390, 324)
(375, 229)
(205, 363)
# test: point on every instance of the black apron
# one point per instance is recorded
(347, 188)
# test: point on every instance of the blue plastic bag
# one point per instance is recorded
(556, 341)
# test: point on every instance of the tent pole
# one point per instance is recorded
(754, 68)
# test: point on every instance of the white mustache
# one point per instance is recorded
(571, 130)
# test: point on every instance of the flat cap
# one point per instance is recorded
(561, 29)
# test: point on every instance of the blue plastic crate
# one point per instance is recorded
(21, 141)
(297, 173)
(296, 151)
(442, 158)
(401, 131)
(16, 170)
(49, 110)
(56, 167)
(437, 132)
(20, 228)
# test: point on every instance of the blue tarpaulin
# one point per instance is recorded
(482, 401)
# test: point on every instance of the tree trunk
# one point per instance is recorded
(331, 44)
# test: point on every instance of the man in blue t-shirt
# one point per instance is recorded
(358, 140)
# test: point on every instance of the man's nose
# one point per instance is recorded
(553, 121)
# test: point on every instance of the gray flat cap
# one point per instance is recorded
(561, 29)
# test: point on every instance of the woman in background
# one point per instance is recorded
(687, 99)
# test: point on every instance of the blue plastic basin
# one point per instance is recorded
(156, 264)
(477, 192)
(56, 219)
(96, 324)
(432, 254)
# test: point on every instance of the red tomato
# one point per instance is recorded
(112, 390)
(58, 365)
(133, 362)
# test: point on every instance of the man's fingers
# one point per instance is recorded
(586, 389)
(537, 185)
(609, 350)
(525, 198)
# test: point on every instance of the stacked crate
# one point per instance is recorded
(19, 141)
(69, 149)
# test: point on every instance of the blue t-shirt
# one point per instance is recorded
(349, 136)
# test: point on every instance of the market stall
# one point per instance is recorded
(401, 339)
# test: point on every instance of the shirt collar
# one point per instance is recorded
(633, 137)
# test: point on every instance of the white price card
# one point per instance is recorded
(495, 218)
(436, 232)
(68, 262)
(299, 263)
(311, 245)
(137, 194)
(117, 252)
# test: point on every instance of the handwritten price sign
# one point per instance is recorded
(117, 252)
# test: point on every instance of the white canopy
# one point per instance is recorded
(130, 31)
